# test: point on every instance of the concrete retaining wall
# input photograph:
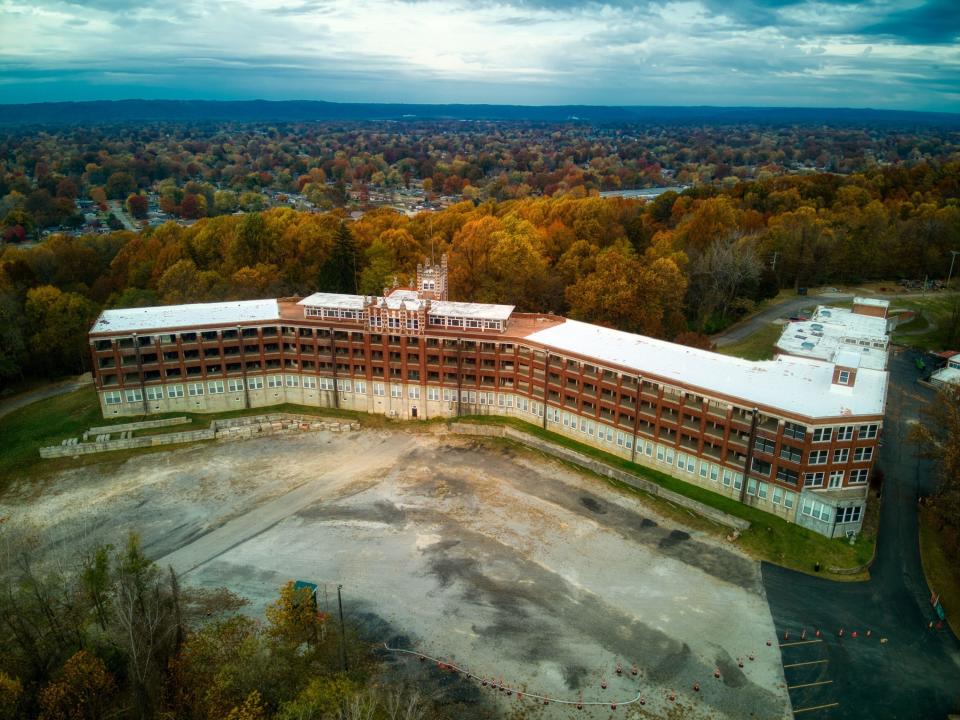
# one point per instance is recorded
(144, 425)
(601, 468)
(232, 429)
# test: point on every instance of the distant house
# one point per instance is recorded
(949, 374)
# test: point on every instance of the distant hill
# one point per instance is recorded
(191, 111)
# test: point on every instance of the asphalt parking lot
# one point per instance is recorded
(903, 669)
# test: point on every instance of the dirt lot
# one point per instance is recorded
(513, 565)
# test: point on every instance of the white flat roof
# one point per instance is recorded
(947, 375)
(875, 302)
(797, 385)
(485, 311)
(178, 316)
(827, 333)
(482, 311)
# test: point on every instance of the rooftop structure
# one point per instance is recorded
(180, 316)
(834, 330)
(949, 374)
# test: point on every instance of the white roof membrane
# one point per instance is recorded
(179, 316)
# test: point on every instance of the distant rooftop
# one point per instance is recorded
(873, 302)
(410, 300)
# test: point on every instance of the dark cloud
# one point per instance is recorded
(934, 22)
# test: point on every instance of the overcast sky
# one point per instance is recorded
(900, 54)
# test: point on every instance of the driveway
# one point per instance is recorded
(916, 672)
(787, 308)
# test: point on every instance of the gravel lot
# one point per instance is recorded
(515, 566)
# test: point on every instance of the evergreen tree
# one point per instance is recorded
(339, 272)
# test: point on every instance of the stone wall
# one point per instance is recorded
(143, 425)
(601, 468)
(232, 429)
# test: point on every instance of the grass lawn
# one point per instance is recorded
(48, 422)
(943, 574)
(757, 346)
(930, 330)
(768, 538)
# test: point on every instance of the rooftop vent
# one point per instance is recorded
(807, 345)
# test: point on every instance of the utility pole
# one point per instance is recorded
(773, 265)
(343, 638)
(953, 257)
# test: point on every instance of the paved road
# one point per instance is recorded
(8, 405)
(117, 208)
(916, 673)
(787, 308)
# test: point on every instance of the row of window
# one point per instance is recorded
(779, 495)
(845, 432)
(824, 512)
(841, 455)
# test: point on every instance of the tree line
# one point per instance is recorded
(683, 265)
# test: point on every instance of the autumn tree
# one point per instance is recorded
(939, 439)
(83, 691)
(59, 322)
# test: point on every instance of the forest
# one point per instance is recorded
(679, 267)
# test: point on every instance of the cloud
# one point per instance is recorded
(726, 52)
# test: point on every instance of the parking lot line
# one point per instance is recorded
(808, 662)
(816, 707)
(806, 685)
(801, 642)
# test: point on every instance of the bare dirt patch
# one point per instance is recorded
(515, 566)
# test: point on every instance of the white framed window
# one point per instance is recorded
(867, 432)
(737, 481)
(433, 393)
(661, 454)
(859, 476)
(818, 457)
(682, 460)
(620, 437)
(836, 478)
(292, 381)
(822, 434)
(849, 514)
(813, 479)
(413, 392)
(727, 477)
(762, 490)
(133, 395)
(473, 396)
(691, 464)
(378, 389)
(215, 387)
(863, 454)
(234, 385)
(274, 381)
(501, 400)
(788, 499)
(326, 383)
(777, 495)
(669, 458)
(396, 391)
(255, 382)
(112, 397)
(449, 395)
(714, 472)
(845, 432)
(344, 385)
(195, 389)
(360, 387)
(174, 391)
(155, 392)
(843, 377)
(309, 382)
(841, 455)
(751, 486)
(703, 469)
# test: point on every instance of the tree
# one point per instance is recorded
(119, 185)
(293, 617)
(939, 439)
(11, 693)
(339, 272)
(60, 322)
(138, 206)
(82, 692)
